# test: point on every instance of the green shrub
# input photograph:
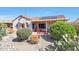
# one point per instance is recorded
(3, 31)
(0, 37)
(65, 37)
(60, 28)
(23, 33)
(77, 27)
(62, 45)
(67, 44)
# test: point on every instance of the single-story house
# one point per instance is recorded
(37, 24)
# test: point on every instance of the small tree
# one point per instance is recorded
(64, 36)
(60, 28)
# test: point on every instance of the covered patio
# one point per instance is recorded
(42, 26)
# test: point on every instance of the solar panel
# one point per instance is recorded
(49, 17)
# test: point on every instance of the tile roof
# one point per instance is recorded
(58, 17)
(76, 21)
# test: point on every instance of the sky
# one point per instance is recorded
(9, 13)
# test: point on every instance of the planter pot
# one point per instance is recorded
(34, 38)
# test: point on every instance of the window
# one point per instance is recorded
(42, 26)
(33, 26)
(18, 25)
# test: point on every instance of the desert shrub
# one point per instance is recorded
(3, 29)
(0, 37)
(3, 25)
(60, 28)
(66, 44)
(23, 33)
(65, 37)
(2, 33)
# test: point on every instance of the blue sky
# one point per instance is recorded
(10, 13)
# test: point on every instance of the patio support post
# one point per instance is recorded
(37, 28)
(46, 31)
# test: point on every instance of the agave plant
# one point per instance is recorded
(66, 44)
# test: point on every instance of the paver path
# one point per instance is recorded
(8, 45)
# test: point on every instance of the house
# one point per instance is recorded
(21, 22)
(37, 24)
(76, 21)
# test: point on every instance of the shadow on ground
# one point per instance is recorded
(17, 40)
(47, 38)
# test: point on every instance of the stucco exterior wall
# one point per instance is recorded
(14, 24)
(24, 21)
